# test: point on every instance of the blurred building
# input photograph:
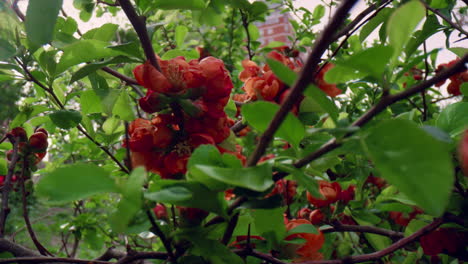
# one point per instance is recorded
(276, 26)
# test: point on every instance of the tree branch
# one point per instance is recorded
(381, 105)
(7, 185)
(31, 232)
(138, 24)
(435, 11)
(303, 81)
(162, 236)
(363, 229)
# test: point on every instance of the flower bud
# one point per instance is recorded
(38, 142)
(316, 217)
(19, 132)
(192, 216)
(160, 211)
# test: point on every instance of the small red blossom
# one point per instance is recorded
(304, 213)
(160, 211)
(456, 80)
(308, 250)
(38, 142)
(403, 219)
(330, 89)
(316, 217)
(329, 191)
(285, 188)
(444, 240)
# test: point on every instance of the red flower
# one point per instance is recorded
(218, 82)
(304, 213)
(38, 142)
(403, 219)
(160, 211)
(330, 89)
(285, 188)
(348, 194)
(308, 250)
(251, 69)
(444, 240)
(316, 217)
(456, 80)
(463, 152)
(329, 191)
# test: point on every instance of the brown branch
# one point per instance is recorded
(142, 255)
(24, 201)
(381, 105)
(15, 249)
(162, 236)
(355, 21)
(122, 77)
(305, 78)
(245, 24)
(435, 11)
(50, 260)
(7, 185)
(363, 229)
(138, 24)
(111, 253)
(238, 126)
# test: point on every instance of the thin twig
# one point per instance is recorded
(435, 11)
(162, 236)
(363, 229)
(138, 24)
(7, 185)
(305, 78)
(24, 201)
(245, 24)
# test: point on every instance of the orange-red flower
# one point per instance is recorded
(456, 80)
(330, 192)
(316, 217)
(308, 250)
(330, 89)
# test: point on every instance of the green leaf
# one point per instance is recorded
(190, 194)
(211, 250)
(454, 118)
(74, 182)
(41, 17)
(105, 32)
(90, 102)
(439, 4)
(66, 119)
(460, 52)
(123, 107)
(307, 182)
(253, 32)
(85, 50)
(412, 160)
(304, 228)
(322, 101)
(259, 115)
(131, 201)
(464, 88)
(270, 223)
(370, 26)
(6, 50)
(180, 34)
(256, 178)
(180, 4)
(431, 26)
(402, 23)
(372, 61)
(319, 12)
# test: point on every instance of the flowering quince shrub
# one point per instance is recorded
(185, 138)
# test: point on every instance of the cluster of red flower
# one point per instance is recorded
(261, 83)
(331, 192)
(164, 144)
(456, 80)
(32, 149)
